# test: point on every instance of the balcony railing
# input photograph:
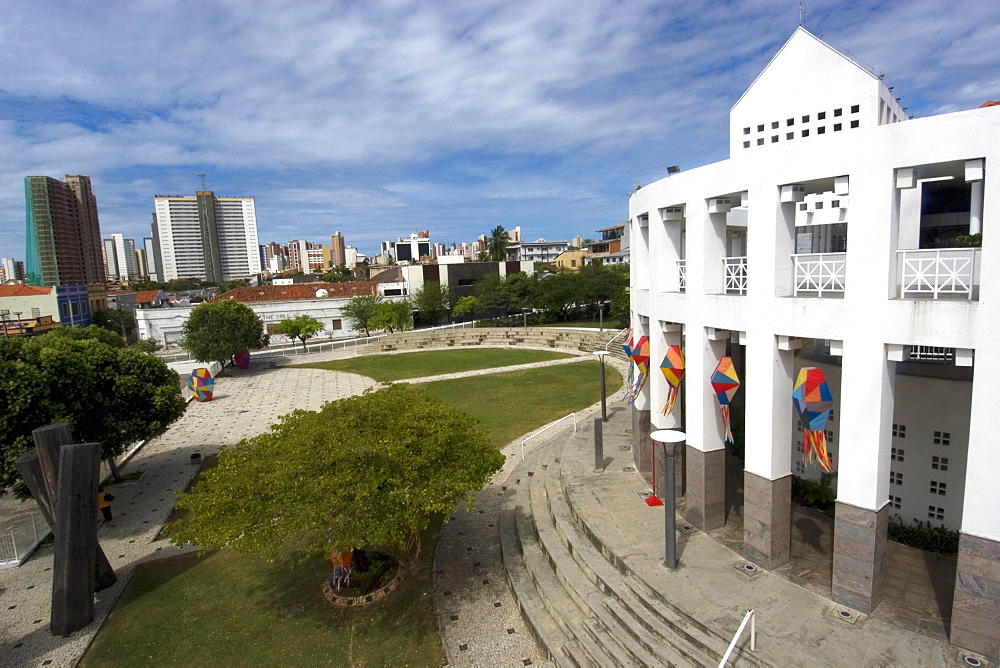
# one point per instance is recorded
(820, 273)
(939, 272)
(736, 275)
(682, 275)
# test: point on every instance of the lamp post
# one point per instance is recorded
(601, 354)
(3, 316)
(524, 313)
(20, 326)
(600, 310)
(669, 438)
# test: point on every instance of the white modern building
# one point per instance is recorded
(840, 237)
(541, 250)
(208, 237)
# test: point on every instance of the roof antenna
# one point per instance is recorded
(800, 14)
(202, 176)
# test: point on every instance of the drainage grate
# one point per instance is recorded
(846, 615)
(972, 661)
(645, 495)
(748, 568)
(626, 448)
(687, 528)
(628, 469)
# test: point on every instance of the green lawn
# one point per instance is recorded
(225, 610)
(384, 368)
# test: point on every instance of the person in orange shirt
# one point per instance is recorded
(104, 503)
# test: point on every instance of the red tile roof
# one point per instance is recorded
(146, 296)
(23, 291)
(990, 103)
(277, 293)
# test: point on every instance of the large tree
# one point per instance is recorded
(215, 331)
(359, 311)
(392, 315)
(301, 327)
(431, 301)
(115, 320)
(108, 394)
(369, 470)
(496, 244)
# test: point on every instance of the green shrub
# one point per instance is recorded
(923, 536)
(815, 495)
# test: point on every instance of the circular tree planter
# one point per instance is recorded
(349, 597)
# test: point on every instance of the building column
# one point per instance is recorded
(767, 480)
(706, 446)
(975, 610)
(862, 511)
(642, 424)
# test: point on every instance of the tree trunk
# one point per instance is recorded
(113, 465)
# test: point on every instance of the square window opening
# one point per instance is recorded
(837, 127)
(855, 124)
(838, 112)
(855, 108)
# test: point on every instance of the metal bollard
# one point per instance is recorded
(598, 445)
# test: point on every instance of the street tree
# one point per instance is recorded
(496, 244)
(301, 327)
(392, 315)
(108, 394)
(468, 305)
(215, 331)
(119, 321)
(431, 300)
(369, 470)
(359, 311)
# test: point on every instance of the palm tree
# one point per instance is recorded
(496, 244)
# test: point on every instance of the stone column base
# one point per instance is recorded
(767, 520)
(706, 488)
(859, 544)
(642, 451)
(975, 611)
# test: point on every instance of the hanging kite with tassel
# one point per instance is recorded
(627, 347)
(725, 383)
(673, 370)
(813, 401)
(640, 357)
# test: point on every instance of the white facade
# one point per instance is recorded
(125, 261)
(541, 250)
(185, 243)
(832, 220)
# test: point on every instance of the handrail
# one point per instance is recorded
(753, 636)
(613, 339)
(546, 428)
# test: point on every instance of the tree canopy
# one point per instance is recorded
(119, 321)
(392, 315)
(215, 331)
(369, 470)
(107, 393)
(431, 301)
(301, 327)
(359, 311)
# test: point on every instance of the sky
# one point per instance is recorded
(379, 118)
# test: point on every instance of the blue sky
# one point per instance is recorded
(380, 118)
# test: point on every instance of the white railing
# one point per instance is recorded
(942, 271)
(682, 275)
(820, 272)
(19, 541)
(736, 275)
(753, 636)
(932, 354)
(546, 428)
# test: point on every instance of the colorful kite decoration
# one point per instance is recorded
(813, 400)
(640, 357)
(201, 384)
(627, 347)
(725, 382)
(673, 370)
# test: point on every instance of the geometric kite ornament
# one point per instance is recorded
(725, 382)
(672, 367)
(813, 401)
(627, 347)
(201, 384)
(640, 357)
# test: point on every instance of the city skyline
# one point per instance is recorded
(380, 120)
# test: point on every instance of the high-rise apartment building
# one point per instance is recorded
(12, 269)
(120, 259)
(151, 247)
(208, 237)
(63, 235)
(338, 255)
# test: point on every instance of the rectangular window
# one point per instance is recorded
(895, 478)
(819, 205)
(942, 438)
(790, 135)
(938, 488)
(855, 124)
(835, 204)
(820, 116)
(836, 127)
(939, 463)
(336, 324)
(855, 108)
(760, 128)
(760, 142)
(899, 430)
(774, 139)
(746, 131)
(821, 130)
(803, 206)
(805, 133)
(838, 112)
(774, 125)
(805, 119)
(746, 144)
(790, 121)
(895, 501)
(897, 454)
(935, 513)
